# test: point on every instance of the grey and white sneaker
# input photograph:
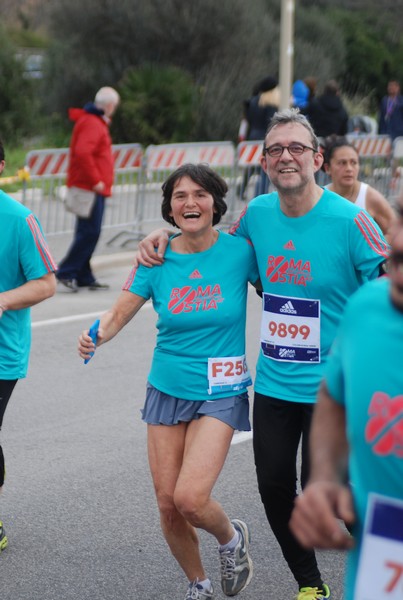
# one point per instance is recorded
(196, 591)
(236, 565)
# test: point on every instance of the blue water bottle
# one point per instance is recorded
(93, 333)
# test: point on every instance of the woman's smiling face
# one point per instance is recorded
(192, 207)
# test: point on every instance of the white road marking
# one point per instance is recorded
(75, 318)
(241, 436)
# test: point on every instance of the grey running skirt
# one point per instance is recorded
(163, 409)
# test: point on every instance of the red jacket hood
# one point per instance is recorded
(75, 113)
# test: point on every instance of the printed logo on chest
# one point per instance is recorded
(188, 298)
(384, 430)
(282, 270)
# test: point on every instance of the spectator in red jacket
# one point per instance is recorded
(90, 168)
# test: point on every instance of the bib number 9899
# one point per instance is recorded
(283, 330)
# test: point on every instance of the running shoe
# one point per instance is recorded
(196, 591)
(236, 565)
(314, 593)
(70, 284)
(3, 538)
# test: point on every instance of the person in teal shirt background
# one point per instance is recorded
(359, 421)
(26, 278)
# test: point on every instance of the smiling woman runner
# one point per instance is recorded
(197, 387)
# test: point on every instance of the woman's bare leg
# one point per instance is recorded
(166, 444)
(206, 447)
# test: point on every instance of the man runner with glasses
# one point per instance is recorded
(314, 250)
(294, 149)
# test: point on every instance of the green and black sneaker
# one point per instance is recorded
(314, 593)
(3, 538)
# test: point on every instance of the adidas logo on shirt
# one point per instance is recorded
(288, 308)
(289, 245)
(196, 275)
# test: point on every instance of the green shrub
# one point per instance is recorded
(158, 106)
(18, 106)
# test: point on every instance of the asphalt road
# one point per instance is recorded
(78, 504)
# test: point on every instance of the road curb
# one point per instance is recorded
(119, 259)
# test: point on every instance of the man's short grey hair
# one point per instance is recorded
(293, 115)
(105, 96)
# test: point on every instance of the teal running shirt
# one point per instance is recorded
(309, 266)
(24, 255)
(365, 374)
(200, 300)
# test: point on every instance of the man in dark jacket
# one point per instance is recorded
(90, 168)
(391, 111)
(326, 113)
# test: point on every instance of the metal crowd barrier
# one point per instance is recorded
(396, 185)
(375, 152)
(135, 207)
(44, 193)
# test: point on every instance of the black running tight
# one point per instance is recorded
(6, 389)
(278, 427)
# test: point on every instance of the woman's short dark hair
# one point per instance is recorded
(2, 153)
(204, 176)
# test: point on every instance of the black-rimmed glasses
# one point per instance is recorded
(294, 149)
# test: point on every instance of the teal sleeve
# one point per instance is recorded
(369, 247)
(141, 283)
(253, 268)
(240, 228)
(34, 254)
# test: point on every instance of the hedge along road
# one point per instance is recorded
(78, 504)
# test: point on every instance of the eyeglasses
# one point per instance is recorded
(294, 149)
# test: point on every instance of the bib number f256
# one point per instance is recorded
(229, 373)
